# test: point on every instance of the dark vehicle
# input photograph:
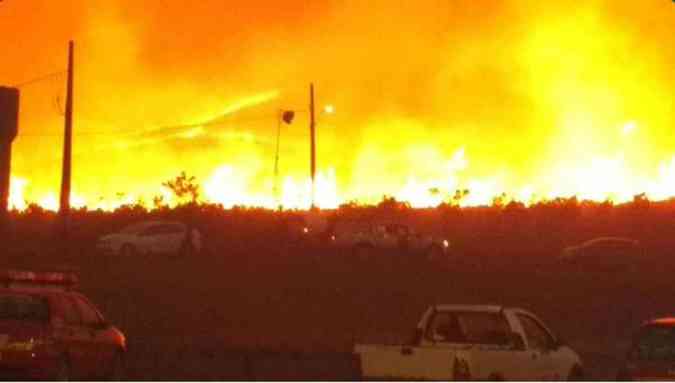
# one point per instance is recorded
(295, 229)
(308, 229)
(652, 354)
(48, 331)
(606, 254)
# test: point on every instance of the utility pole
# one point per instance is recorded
(312, 132)
(64, 206)
(9, 123)
(276, 161)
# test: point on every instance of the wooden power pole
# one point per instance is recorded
(276, 160)
(64, 206)
(9, 123)
(312, 132)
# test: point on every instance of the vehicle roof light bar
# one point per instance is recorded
(64, 280)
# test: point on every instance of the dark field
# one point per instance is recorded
(254, 307)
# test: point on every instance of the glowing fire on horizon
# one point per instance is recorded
(601, 179)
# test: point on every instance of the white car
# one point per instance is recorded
(469, 342)
(151, 237)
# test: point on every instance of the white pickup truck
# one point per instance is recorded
(366, 238)
(458, 342)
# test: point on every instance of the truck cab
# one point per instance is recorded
(366, 238)
(467, 342)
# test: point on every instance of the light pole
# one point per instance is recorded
(287, 117)
(312, 144)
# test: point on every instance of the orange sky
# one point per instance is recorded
(525, 96)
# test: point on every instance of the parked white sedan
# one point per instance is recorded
(151, 237)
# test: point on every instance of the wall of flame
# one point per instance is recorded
(528, 98)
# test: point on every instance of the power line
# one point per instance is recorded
(164, 130)
(153, 131)
(39, 79)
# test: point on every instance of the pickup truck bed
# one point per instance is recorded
(473, 342)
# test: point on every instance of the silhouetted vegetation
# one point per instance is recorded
(544, 225)
(185, 188)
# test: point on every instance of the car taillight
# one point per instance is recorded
(461, 370)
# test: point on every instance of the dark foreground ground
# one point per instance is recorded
(252, 307)
(284, 314)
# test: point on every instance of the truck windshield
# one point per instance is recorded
(655, 343)
(469, 327)
(23, 307)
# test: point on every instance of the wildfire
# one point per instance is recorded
(603, 179)
(16, 193)
(468, 103)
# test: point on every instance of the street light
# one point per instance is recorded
(287, 116)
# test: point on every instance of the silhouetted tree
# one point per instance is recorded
(184, 188)
(458, 197)
(158, 202)
(641, 201)
(34, 209)
(392, 204)
(500, 201)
